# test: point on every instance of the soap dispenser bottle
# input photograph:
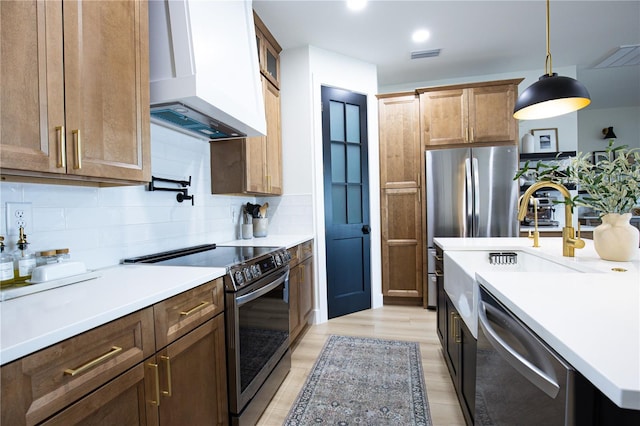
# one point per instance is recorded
(24, 260)
(6, 265)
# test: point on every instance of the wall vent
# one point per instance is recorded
(419, 54)
(624, 55)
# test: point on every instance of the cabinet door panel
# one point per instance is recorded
(31, 86)
(193, 369)
(402, 243)
(106, 94)
(306, 290)
(400, 150)
(491, 113)
(294, 305)
(444, 117)
(274, 138)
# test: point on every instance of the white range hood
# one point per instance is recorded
(204, 70)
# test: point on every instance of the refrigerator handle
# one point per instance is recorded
(476, 197)
(468, 202)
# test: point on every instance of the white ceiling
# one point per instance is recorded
(476, 37)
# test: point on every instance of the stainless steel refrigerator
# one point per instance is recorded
(470, 192)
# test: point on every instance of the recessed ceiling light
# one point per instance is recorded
(420, 35)
(356, 4)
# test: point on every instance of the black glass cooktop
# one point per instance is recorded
(208, 255)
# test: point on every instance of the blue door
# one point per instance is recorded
(346, 201)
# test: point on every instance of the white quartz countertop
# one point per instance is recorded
(35, 321)
(281, 240)
(592, 319)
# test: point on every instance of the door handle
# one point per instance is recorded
(366, 229)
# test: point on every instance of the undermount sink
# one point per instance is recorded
(461, 268)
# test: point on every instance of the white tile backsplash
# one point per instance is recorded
(101, 226)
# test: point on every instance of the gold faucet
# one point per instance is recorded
(569, 240)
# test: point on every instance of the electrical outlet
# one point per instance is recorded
(233, 211)
(19, 214)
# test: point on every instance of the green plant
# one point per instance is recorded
(610, 186)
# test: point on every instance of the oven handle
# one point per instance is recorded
(241, 300)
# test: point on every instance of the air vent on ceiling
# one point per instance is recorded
(419, 54)
(624, 55)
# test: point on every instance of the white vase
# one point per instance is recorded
(528, 143)
(616, 239)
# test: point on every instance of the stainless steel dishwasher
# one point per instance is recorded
(519, 379)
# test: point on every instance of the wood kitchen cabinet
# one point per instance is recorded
(66, 379)
(164, 364)
(254, 165)
(471, 113)
(74, 100)
(268, 52)
(189, 371)
(458, 345)
(402, 212)
(301, 288)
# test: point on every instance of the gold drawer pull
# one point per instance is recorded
(62, 147)
(439, 273)
(168, 392)
(156, 376)
(194, 309)
(113, 352)
(438, 258)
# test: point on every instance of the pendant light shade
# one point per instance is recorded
(551, 95)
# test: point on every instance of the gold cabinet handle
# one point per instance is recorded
(466, 134)
(268, 183)
(439, 273)
(454, 327)
(194, 309)
(471, 135)
(439, 258)
(112, 352)
(78, 146)
(167, 361)
(62, 147)
(156, 376)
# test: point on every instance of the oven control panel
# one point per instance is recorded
(248, 272)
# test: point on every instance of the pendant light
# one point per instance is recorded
(551, 95)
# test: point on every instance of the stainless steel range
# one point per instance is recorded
(256, 319)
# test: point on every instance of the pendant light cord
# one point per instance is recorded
(548, 61)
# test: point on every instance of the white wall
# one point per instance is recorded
(101, 226)
(304, 71)
(625, 122)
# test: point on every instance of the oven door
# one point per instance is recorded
(257, 335)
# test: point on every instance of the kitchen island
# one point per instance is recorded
(590, 316)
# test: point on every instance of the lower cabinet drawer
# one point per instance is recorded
(182, 313)
(41, 384)
(121, 402)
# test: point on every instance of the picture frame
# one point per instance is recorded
(598, 156)
(546, 140)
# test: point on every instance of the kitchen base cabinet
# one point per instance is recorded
(192, 378)
(458, 345)
(301, 288)
(162, 365)
(41, 384)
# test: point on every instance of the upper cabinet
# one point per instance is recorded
(471, 113)
(74, 98)
(268, 52)
(400, 150)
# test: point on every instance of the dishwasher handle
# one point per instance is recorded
(532, 373)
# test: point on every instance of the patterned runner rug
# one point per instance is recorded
(363, 381)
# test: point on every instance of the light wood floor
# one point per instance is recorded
(388, 322)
